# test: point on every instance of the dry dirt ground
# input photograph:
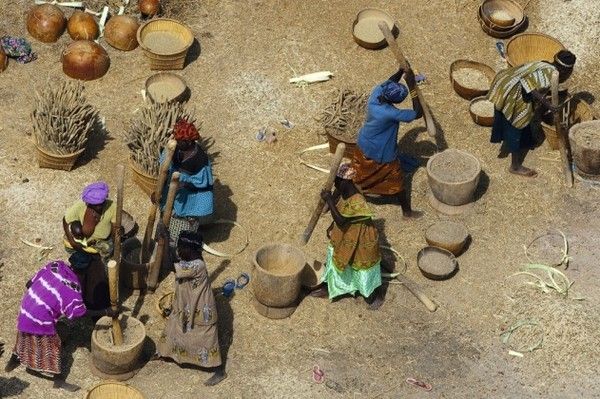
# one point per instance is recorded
(248, 50)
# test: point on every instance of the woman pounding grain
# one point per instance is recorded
(514, 92)
(353, 255)
(375, 158)
(52, 293)
(191, 335)
(194, 201)
(91, 245)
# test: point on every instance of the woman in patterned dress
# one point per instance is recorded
(353, 254)
(191, 335)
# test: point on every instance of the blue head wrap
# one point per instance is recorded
(395, 92)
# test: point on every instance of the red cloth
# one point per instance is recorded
(185, 131)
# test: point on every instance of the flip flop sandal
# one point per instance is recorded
(228, 287)
(242, 281)
(318, 375)
(419, 384)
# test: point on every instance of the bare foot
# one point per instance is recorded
(412, 215)
(523, 171)
(62, 384)
(216, 378)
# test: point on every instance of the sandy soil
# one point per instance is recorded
(238, 77)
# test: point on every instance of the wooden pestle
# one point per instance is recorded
(113, 285)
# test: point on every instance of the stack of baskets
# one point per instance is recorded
(501, 18)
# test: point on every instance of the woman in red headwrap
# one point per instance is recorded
(194, 201)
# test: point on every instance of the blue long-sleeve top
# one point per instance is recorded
(378, 138)
(194, 197)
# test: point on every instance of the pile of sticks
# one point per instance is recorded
(62, 118)
(149, 131)
(346, 113)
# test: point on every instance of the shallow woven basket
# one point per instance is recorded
(146, 182)
(54, 161)
(512, 8)
(161, 55)
(374, 14)
(466, 92)
(529, 47)
(480, 119)
(113, 390)
(497, 32)
(580, 112)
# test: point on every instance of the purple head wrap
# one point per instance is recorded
(95, 193)
(395, 92)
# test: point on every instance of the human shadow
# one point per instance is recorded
(193, 53)
(482, 186)
(96, 143)
(12, 386)
(585, 96)
(226, 209)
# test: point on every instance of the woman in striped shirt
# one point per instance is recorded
(52, 293)
(514, 92)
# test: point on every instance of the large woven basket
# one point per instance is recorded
(165, 43)
(55, 161)
(530, 47)
(334, 139)
(580, 111)
(466, 92)
(113, 390)
(512, 8)
(146, 182)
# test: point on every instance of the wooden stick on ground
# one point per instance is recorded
(162, 177)
(162, 243)
(113, 285)
(418, 292)
(335, 164)
(562, 138)
(393, 44)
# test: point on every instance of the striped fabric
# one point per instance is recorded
(54, 293)
(507, 89)
(39, 352)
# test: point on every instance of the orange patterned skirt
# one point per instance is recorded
(377, 178)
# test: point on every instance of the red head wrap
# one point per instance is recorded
(185, 131)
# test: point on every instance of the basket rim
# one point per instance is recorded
(136, 167)
(434, 156)
(487, 19)
(461, 63)
(431, 248)
(463, 227)
(155, 20)
(157, 303)
(112, 382)
(521, 35)
(497, 33)
(59, 156)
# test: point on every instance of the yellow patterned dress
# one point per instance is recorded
(353, 255)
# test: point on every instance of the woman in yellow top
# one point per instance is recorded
(353, 255)
(91, 250)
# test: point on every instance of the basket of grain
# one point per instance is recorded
(579, 111)
(166, 87)
(585, 147)
(436, 263)
(165, 43)
(365, 29)
(530, 47)
(113, 390)
(499, 32)
(471, 79)
(482, 111)
(502, 15)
